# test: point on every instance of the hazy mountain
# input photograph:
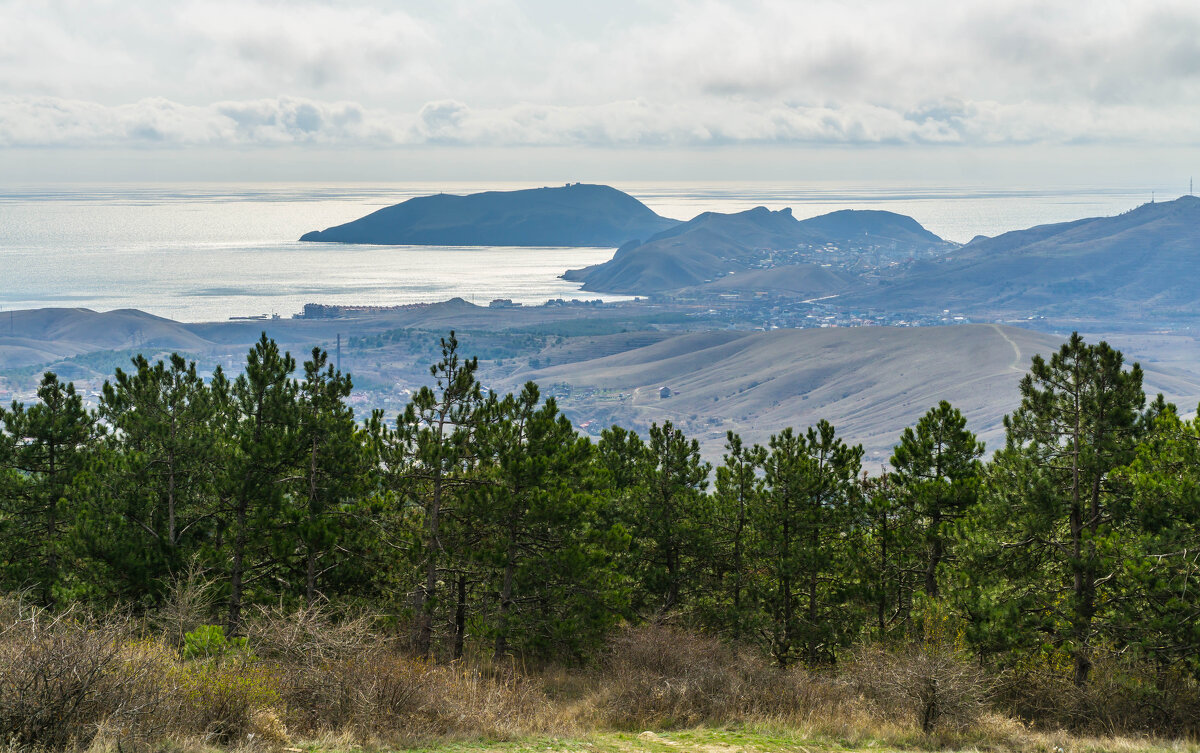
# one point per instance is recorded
(1142, 264)
(572, 215)
(714, 245)
(880, 227)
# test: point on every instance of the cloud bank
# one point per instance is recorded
(628, 74)
(157, 122)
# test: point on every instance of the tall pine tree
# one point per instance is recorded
(47, 446)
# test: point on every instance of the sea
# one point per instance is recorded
(208, 252)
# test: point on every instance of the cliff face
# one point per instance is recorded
(573, 215)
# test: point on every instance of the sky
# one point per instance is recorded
(1004, 91)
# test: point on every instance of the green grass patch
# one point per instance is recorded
(701, 740)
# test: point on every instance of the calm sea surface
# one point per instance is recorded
(202, 252)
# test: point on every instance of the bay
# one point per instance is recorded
(204, 252)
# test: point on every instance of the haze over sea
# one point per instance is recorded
(205, 252)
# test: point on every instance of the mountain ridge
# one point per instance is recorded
(713, 245)
(1136, 264)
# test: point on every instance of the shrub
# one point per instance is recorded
(219, 699)
(658, 676)
(209, 641)
(310, 636)
(1123, 696)
(64, 679)
(935, 686)
(188, 604)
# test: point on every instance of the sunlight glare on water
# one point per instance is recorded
(206, 252)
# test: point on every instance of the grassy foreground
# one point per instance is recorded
(759, 739)
(302, 683)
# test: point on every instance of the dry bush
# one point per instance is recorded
(63, 680)
(189, 603)
(1121, 697)
(366, 693)
(335, 674)
(220, 699)
(341, 675)
(383, 693)
(310, 635)
(937, 687)
(460, 699)
(658, 676)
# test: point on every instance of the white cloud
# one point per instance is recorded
(630, 73)
(157, 122)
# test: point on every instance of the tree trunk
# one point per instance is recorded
(935, 556)
(460, 617)
(425, 598)
(501, 647)
(236, 568)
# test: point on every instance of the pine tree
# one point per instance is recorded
(936, 471)
(152, 495)
(889, 554)
(738, 492)
(803, 530)
(670, 521)
(47, 446)
(1054, 496)
(437, 431)
(1158, 602)
(546, 558)
(328, 500)
(265, 453)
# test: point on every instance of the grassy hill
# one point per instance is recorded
(798, 280)
(870, 382)
(37, 336)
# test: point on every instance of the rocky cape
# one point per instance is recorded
(577, 214)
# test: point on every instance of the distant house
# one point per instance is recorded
(664, 393)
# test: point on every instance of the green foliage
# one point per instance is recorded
(668, 517)
(1160, 553)
(209, 642)
(262, 419)
(432, 460)
(542, 549)
(803, 548)
(45, 448)
(739, 490)
(485, 524)
(1056, 524)
(936, 474)
(152, 490)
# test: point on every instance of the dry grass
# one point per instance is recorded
(69, 683)
(660, 677)
(1123, 697)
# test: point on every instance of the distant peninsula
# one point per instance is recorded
(577, 214)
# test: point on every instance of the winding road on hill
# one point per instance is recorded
(1016, 364)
